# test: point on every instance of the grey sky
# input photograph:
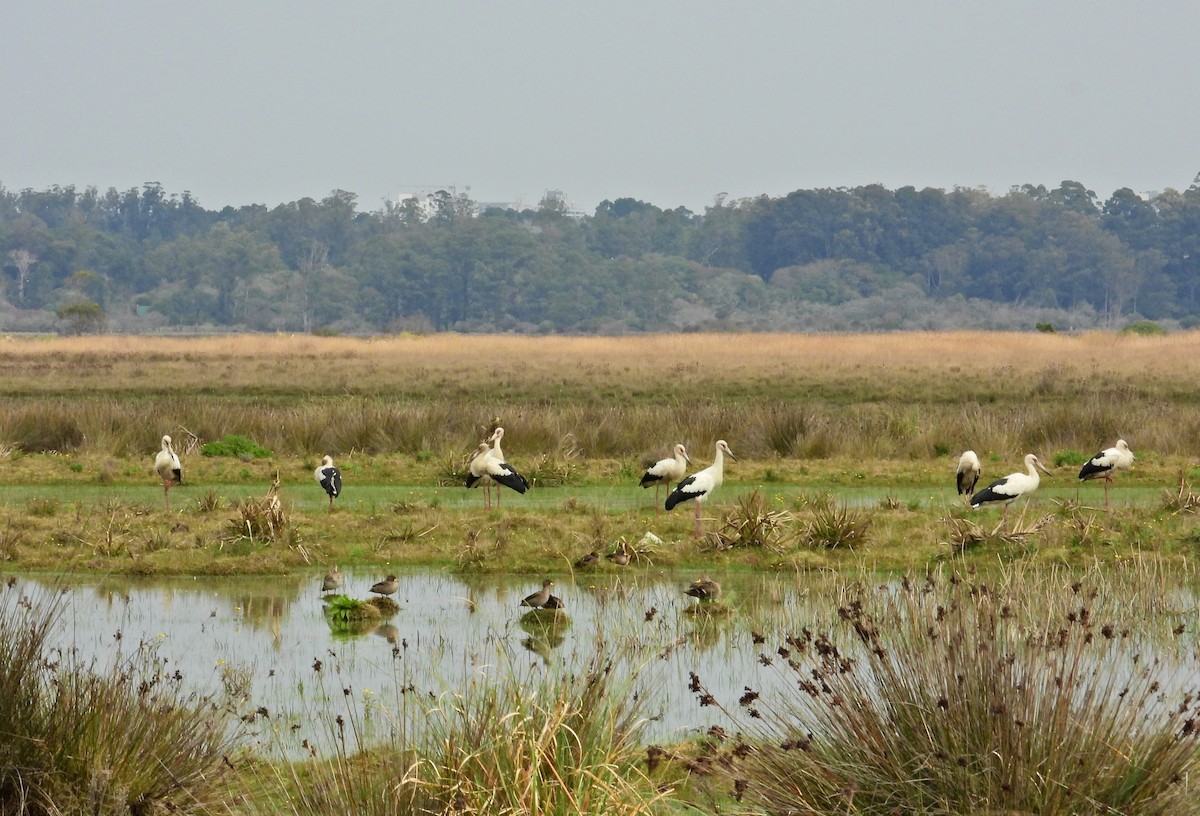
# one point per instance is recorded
(265, 101)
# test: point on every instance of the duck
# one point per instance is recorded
(333, 580)
(703, 589)
(540, 598)
(589, 560)
(387, 586)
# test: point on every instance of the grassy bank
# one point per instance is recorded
(866, 427)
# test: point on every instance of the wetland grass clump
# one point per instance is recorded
(263, 520)
(518, 741)
(829, 524)
(752, 523)
(562, 742)
(122, 738)
(1039, 693)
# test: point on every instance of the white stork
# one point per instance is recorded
(665, 471)
(699, 486)
(500, 472)
(168, 468)
(477, 474)
(968, 473)
(1011, 487)
(1102, 465)
(330, 478)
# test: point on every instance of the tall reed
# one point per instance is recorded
(122, 738)
(964, 696)
(516, 740)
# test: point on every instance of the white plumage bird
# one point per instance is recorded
(699, 486)
(329, 478)
(493, 466)
(1104, 463)
(168, 468)
(665, 471)
(968, 473)
(1011, 487)
(477, 475)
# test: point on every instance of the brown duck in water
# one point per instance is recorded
(387, 587)
(704, 589)
(540, 598)
(332, 581)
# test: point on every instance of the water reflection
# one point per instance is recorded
(271, 641)
(270, 633)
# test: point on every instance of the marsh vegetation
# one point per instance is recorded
(842, 501)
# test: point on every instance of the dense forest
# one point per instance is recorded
(867, 258)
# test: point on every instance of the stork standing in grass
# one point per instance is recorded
(477, 475)
(330, 478)
(168, 468)
(1011, 487)
(699, 486)
(968, 473)
(493, 465)
(665, 471)
(1102, 465)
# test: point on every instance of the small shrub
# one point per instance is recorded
(1069, 457)
(831, 524)
(751, 523)
(1144, 328)
(42, 507)
(262, 519)
(236, 446)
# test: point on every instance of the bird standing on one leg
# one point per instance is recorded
(1011, 487)
(330, 478)
(1104, 463)
(333, 580)
(168, 468)
(699, 486)
(665, 471)
(968, 474)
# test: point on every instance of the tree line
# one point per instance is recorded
(858, 258)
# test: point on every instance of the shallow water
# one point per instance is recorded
(258, 642)
(260, 638)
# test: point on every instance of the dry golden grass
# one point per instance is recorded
(906, 396)
(958, 363)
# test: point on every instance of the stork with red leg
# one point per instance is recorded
(1104, 463)
(699, 486)
(168, 468)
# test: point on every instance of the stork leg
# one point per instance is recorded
(1107, 479)
(167, 495)
(657, 509)
(331, 504)
(697, 519)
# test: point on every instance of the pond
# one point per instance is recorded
(266, 643)
(260, 639)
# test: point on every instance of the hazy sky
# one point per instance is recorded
(266, 101)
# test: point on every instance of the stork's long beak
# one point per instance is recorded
(687, 459)
(1043, 467)
(731, 456)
